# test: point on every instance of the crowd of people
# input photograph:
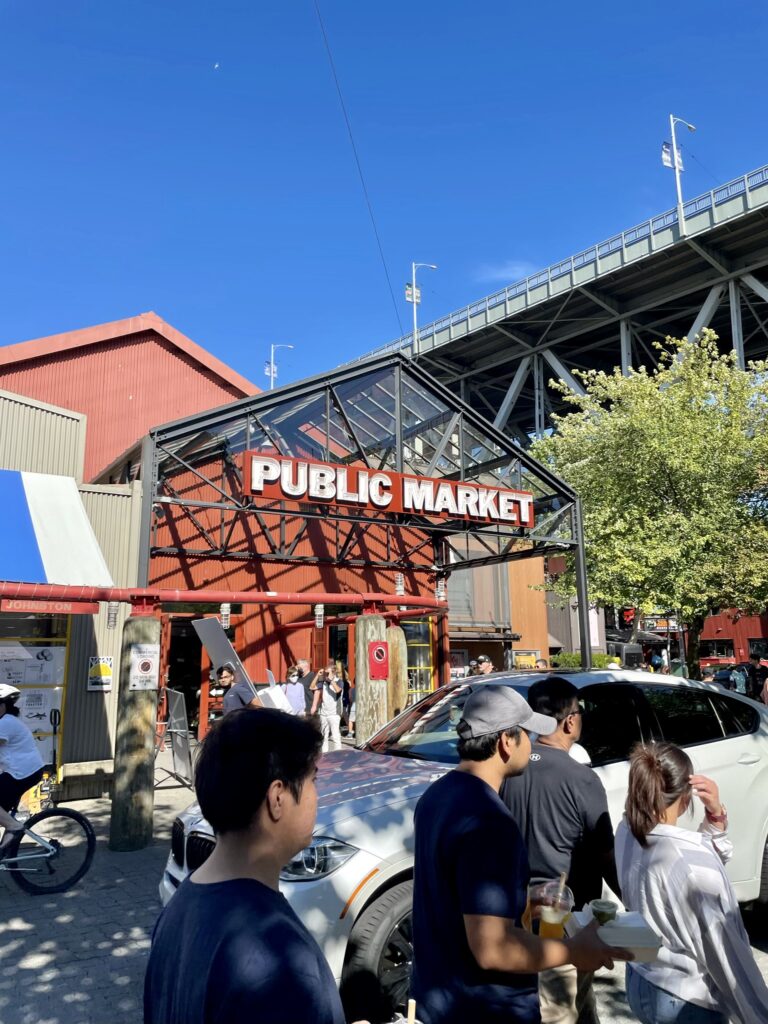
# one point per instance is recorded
(517, 809)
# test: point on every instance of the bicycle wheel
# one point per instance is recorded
(34, 869)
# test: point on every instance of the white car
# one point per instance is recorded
(352, 887)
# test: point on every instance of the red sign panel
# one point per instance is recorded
(8, 604)
(378, 659)
(287, 479)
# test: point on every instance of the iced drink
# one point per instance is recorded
(550, 904)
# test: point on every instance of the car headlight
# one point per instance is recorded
(319, 859)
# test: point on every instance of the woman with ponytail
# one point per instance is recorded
(705, 972)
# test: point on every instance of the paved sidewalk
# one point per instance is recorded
(79, 957)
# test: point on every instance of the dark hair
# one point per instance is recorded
(11, 708)
(553, 696)
(226, 667)
(243, 754)
(659, 774)
(482, 748)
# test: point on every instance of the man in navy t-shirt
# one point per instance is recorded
(228, 948)
(473, 962)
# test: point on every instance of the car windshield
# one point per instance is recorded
(427, 731)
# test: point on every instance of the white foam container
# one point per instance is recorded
(629, 931)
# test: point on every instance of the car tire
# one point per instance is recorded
(377, 972)
(762, 899)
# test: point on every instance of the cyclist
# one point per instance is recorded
(21, 766)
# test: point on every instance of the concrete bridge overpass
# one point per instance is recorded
(604, 307)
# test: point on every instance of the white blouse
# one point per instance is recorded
(678, 883)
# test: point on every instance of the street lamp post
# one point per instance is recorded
(272, 367)
(676, 165)
(415, 298)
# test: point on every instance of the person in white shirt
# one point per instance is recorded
(21, 766)
(705, 972)
(328, 689)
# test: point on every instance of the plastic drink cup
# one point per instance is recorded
(604, 911)
(550, 905)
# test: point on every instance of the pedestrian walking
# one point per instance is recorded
(236, 695)
(294, 692)
(705, 972)
(307, 680)
(327, 702)
(473, 961)
(484, 665)
(228, 947)
(561, 808)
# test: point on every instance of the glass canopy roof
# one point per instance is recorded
(385, 414)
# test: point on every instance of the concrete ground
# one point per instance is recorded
(79, 957)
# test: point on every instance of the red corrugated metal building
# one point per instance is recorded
(126, 376)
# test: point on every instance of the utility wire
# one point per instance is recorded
(359, 165)
(717, 181)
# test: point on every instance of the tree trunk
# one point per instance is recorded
(370, 694)
(695, 627)
(397, 684)
(133, 794)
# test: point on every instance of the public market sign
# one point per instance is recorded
(287, 479)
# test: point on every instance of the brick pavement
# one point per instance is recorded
(79, 957)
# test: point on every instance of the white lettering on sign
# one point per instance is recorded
(279, 478)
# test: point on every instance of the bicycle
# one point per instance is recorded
(51, 858)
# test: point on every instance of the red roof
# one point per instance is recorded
(126, 376)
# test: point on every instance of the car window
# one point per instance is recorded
(736, 716)
(427, 731)
(611, 722)
(685, 716)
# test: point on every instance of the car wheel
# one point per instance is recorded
(762, 899)
(377, 972)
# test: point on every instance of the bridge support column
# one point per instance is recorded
(737, 332)
(625, 343)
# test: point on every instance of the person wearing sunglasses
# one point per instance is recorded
(561, 808)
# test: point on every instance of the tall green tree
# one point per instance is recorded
(672, 468)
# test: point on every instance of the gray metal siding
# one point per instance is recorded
(40, 438)
(89, 718)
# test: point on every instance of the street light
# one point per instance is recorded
(270, 369)
(412, 294)
(676, 164)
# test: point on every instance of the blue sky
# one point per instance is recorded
(496, 138)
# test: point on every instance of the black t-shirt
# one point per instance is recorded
(470, 859)
(235, 952)
(562, 810)
(309, 693)
(239, 695)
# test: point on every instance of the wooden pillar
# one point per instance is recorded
(397, 694)
(443, 650)
(370, 694)
(133, 796)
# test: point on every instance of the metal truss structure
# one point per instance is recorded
(385, 414)
(606, 306)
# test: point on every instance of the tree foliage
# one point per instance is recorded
(672, 468)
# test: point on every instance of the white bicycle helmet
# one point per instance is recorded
(8, 692)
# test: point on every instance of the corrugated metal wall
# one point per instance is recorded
(89, 718)
(124, 386)
(40, 438)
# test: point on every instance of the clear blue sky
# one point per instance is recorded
(496, 137)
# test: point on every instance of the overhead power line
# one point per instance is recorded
(359, 165)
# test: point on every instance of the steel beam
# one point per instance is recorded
(707, 311)
(513, 393)
(757, 286)
(563, 373)
(737, 331)
(625, 344)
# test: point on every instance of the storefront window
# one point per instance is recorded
(418, 638)
(33, 627)
(758, 647)
(718, 648)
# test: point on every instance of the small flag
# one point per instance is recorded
(269, 369)
(666, 156)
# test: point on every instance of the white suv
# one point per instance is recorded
(352, 887)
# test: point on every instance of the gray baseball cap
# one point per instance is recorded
(491, 709)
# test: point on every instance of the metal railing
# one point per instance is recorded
(625, 239)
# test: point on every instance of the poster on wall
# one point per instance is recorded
(35, 706)
(145, 667)
(459, 663)
(100, 672)
(24, 664)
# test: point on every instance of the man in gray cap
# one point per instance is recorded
(473, 961)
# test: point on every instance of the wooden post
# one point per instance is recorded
(133, 795)
(397, 693)
(370, 694)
